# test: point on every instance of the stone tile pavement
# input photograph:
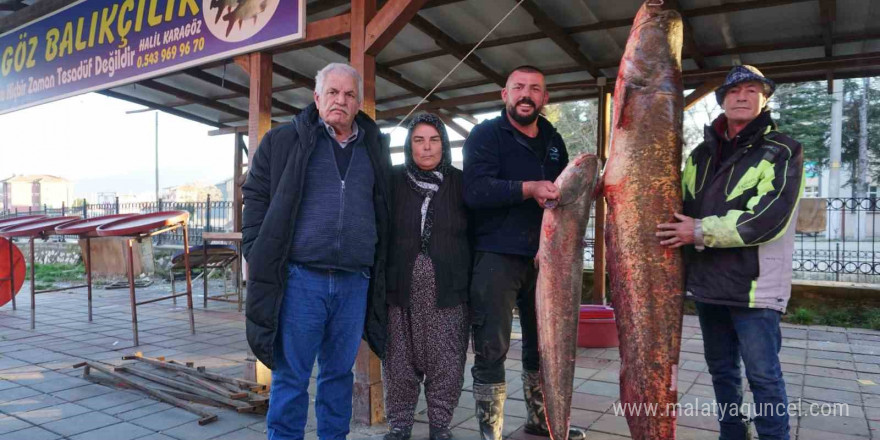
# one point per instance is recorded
(43, 397)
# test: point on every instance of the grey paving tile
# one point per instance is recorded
(108, 400)
(226, 423)
(125, 407)
(18, 392)
(611, 424)
(600, 388)
(83, 392)
(29, 404)
(831, 383)
(159, 436)
(9, 424)
(81, 423)
(812, 434)
(33, 433)
(52, 413)
(66, 383)
(119, 431)
(829, 395)
(837, 425)
(250, 434)
(163, 420)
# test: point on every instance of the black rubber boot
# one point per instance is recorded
(536, 421)
(440, 434)
(490, 409)
(398, 434)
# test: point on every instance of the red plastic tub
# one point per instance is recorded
(596, 327)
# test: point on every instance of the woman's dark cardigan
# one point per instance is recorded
(449, 248)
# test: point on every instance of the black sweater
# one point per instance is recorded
(449, 249)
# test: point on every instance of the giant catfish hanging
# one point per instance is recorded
(558, 292)
(642, 184)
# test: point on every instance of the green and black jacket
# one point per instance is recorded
(744, 206)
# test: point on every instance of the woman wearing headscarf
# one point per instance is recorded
(428, 277)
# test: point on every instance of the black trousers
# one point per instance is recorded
(499, 283)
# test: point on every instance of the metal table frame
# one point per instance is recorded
(34, 292)
(231, 237)
(130, 239)
(11, 278)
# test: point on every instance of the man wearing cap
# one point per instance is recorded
(741, 188)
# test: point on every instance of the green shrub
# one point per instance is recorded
(802, 316)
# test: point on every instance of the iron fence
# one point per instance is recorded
(211, 216)
(837, 238)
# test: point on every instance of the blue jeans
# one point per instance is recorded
(753, 334)
(322, 315)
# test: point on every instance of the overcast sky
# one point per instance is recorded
(92, 141)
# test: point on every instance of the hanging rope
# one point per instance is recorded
(476, 46)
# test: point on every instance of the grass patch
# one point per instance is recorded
(49, 274)
(802, 316)
(844, 316)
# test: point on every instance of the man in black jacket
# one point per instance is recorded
(741, 188)
(314, 233)
(510, 163)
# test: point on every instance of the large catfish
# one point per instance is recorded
(642, 183)
(560, 276)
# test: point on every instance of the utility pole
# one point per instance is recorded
(156, 137)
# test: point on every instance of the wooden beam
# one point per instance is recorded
(739, 50)
(368, 399)
(169, 110)
(701, 91)
(600, 26)
(560, 37)
(456, 49)
(827, 16)
(452, 124)
(31, 13)
(12, 7)
(698, 76)
(192, 97)
(259, 99)
(299, 79)
(388, 22)
(320, 32)
(397, 79)
(603, 129)
(237, 89)
(690, 43)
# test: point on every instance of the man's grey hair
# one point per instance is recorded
(339, 68)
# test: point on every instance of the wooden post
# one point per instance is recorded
(369, 407)
(260, 100)
(602, 132)
(237, 182)
(258, 66)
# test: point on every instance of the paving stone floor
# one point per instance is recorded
(43, 398)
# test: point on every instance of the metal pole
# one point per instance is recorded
(33, 288)
(187, 269)
(89, 272)
(12, 273)
(131, 294)
(156, 137)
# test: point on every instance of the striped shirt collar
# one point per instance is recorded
(332, 132)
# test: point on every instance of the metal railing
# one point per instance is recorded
(842, 248)
(211, 216)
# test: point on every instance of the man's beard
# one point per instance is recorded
(524, 119)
